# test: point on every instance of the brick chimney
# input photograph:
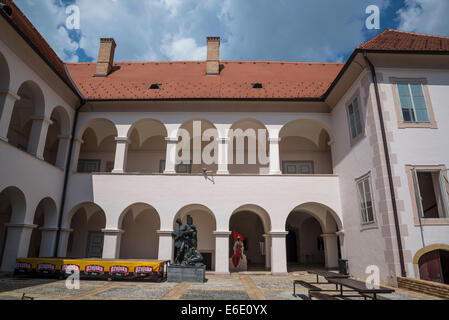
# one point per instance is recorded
(105, 57)
(213, 56)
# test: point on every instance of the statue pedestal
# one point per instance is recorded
(177, 273)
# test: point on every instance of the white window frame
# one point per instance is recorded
(443, 186)
(409, 83)
(362, 198)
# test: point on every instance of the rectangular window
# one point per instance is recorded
(88, 166)
(297, 167)
(431, 193)
(413, 102)
(355, 119)
(365, 199)
(184, 167)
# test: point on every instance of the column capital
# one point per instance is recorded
(42, 118)
(164, 232)
(274, 140)
(112, 231)
(328, 235)
(10, 94)
(222, 233)
(278, 234)
(123, 139)
(78, 140)
(171, 139)
(64, 137)
(223, 140)
(48, 228)
(21, 225)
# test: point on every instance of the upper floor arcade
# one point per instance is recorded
(237, 143)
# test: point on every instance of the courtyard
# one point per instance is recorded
(238, 286)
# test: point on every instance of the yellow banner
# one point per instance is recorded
(90, 266)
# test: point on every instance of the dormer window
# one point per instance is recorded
(155, 86)
(257, 85)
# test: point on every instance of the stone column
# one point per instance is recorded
(223, 156)
(38, 136)
(330, 250)
(222, 252)
(121, 154)
(7, 101)
(274, 156)
(48, 241)
(278, 253)
(16, 244)
(76, 153)
(165, 245)
(170, 155)
(63, 148)
(63, 242)
(111, 243)
(267, 239)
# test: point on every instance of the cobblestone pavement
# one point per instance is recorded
(234, 287)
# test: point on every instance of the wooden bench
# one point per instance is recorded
(368, 295)
(309, 286)
(320, 296)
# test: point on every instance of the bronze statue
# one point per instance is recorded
(185, 237)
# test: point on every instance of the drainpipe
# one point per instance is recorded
(387, 159)
(68, 164)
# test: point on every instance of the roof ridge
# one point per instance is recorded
(417, 34)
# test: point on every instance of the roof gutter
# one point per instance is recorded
(387, 159)
(68, 165)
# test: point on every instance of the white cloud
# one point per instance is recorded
(293, 30)
(184, 49)
(425, 16)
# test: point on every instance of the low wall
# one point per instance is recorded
(432, 288)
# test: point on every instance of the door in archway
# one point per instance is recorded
(434, 266)
(292, 249)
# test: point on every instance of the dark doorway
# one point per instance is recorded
(292, 250)
(434, 266)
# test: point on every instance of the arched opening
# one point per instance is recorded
(97, 151)
(86, 239)
(252, 223)
(305, 246)
(433, 263)
(147, 148)
(190, 147)
(45, 216)
(304, 148)
(312, 240)
(245, 152)
(54, 151)
(31, 104)
(204, 220)
(140, 240)
(12, 209)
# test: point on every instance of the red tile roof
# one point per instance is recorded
(394, 40)
(188, 80)
(30, 33)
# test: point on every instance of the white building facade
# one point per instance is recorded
(90, 161)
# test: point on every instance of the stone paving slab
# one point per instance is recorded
(215, 295)
(136, 293)
(234, 287)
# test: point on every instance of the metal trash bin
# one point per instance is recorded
(343, 266)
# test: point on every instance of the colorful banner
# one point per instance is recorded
(95, 268)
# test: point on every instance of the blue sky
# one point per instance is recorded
(288, 30)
